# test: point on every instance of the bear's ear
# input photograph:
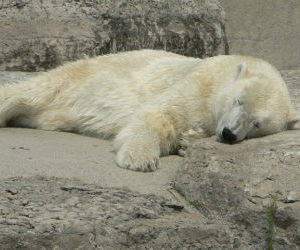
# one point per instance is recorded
(241, 70)
(293, 120)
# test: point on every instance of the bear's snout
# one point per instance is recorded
(228, 136)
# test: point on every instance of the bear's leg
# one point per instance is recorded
(58, 120)
(23, 105)
(140, 144)
(11, 104)
(138, 152)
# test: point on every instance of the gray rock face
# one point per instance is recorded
(57, 213)
(40, 35)
(235, 183)
(292, 78)
(267, 29)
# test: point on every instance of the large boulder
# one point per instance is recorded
(253, 186)
(39, 35)
(238, 183)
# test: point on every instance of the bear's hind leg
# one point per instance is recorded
(12, 106)
(56, 120)
(20, 106)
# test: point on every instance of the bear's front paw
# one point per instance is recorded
(140, 158)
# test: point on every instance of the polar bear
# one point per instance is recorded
(149, 100)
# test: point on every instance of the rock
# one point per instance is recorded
(267, 29)
(40, 35)
(68, 214)
(11, 77)
(292, 78)
(235, 184)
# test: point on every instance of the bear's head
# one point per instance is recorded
(255, 105)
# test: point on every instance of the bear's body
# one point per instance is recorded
(149, 99)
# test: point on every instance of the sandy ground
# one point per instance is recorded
(29, 152)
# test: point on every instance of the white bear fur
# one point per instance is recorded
(148, 99)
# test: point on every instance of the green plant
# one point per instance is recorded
(271, 210)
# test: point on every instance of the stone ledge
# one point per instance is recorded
(40, 35)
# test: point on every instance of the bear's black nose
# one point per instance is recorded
(228, 136)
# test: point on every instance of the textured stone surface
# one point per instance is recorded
(57, 213)
(235, 183)
(268, 29)
(292, 78)
(40, 35)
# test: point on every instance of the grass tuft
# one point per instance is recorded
(271, 210)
